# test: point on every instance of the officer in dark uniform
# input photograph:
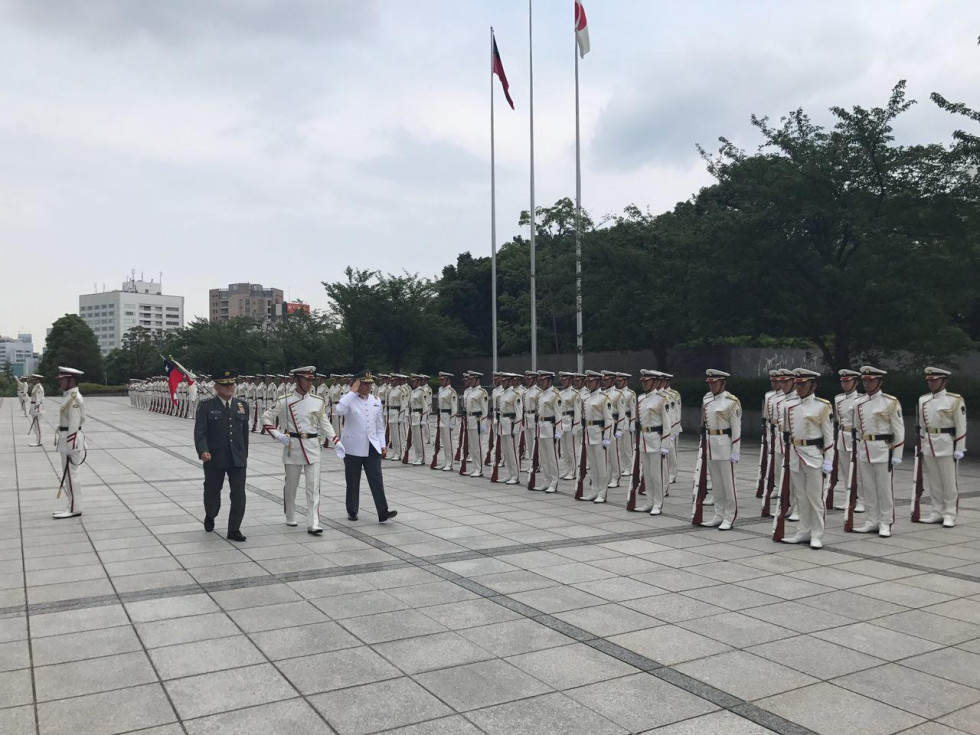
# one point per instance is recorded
(221, 430)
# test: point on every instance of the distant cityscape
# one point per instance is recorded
(19, 352)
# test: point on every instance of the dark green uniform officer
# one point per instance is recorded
(221, 430)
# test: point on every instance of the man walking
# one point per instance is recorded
(364, 445)
(305, 423)
(221, 439)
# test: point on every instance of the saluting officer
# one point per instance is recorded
(303, 417)
(942, 427)
(22, 389)
(597, 420)
(721, 415)
(877, 419)
(654, 419)
(811, 456)
(37, 408)
(70, 441)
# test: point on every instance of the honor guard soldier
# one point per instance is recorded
(395, 397)
(259, 406)
(615, 397)
(334, 394)
(70, 441)
(570, 427)
(789, 398)
(765, 449)
(880, 431)
(811, 456)
(942, 436)
(674, 406)
(22, 389)
(476, 406)
(628, 442)
(529, 395)
(303, 418)
(548, 431)
(511, 420)
(36, 410)
(495, 393)
(381, 393)
(653, 416)
(721, 416)
(843, 444)
(418, 415)
(597, 421)
(448, 410)
(427, 387)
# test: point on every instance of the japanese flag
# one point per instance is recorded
(581, 29)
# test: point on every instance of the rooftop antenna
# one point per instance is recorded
(161, 281)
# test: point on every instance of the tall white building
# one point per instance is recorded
(111, 314)
(19, 353)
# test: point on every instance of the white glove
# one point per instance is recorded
(339, 449)
(736, 457)
(828, 466)
(557, 435)
(665, 451)
(618, 434)
(605, 442)
(958, 454)
(896, 460)
(281, 438)
(675, 433)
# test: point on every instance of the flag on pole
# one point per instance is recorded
(176, 374)
(497, 67)
(581, 29)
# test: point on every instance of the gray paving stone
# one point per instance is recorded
(222, 691)
(426, 653)
(304, 640)
(607, 620)
(557, 599)
(744, 675)
(455, 725)
(518, 636)
(481, 684)
(15, 688)
(93, 675)
(855, 606)
(936, 628)
(201, 657)
(170, 607)
(90, 644)
(268, 617)
(916, 692)
(391, 626)
(966, 720)
(337, 669)
(716, 722)
(356, 711)
(736, 629)
(551, 714)
(966, 610)
(673, 608)
(356, 604)
(469, 614)
(290, 717)
(254, 596)
(953, 664)
(815, 657)
(173, 631)
(313, 588)
(797, 616)
(617, 589)
(575, 665)
(107, 713)
(510, 582)
(669, 644)
(901, 594)
(14, 655)
(18, 721)
(876, 641)
(74, 621)
(785, 587)
(13, 629)
(640, 702)
(433, 593)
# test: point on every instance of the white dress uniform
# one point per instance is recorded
(476, 406)
(628, 442)
(571, 433)
(615, 398)
(395, 398)
(334, 394)
(71, 448)
(597, 417)
(36, 411)
(418, 415)
(22, 393)
(942, 429)
(448, 410)
(721, 416)
(304, 424)
(880, 430)
(674, 407)
(426, 429)
(654, 416)
(789, 399)
(844, 445)
(511, 417)
(530, 399)
(495, 417)
(549, 415)
(811, 456)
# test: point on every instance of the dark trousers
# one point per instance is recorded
(214, 479)
(372, 468)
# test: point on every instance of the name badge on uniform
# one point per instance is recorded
(241, 408)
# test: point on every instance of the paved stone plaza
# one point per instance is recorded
(481, 608)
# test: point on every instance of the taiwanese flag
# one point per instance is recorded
(497, 67)
(175, 376)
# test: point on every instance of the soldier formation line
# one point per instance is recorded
(594, 431)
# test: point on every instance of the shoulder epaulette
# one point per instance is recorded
(823, 400)
(733, 397)
(890, 396)
(954, 395)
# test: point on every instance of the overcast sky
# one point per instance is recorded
(279, 141)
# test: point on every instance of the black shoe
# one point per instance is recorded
(235, 536)
(391, 514)
(351, 518)
(314, 531)
(208, 524)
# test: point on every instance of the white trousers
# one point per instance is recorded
(474, 443)
(595, 455)
(446, 440)
(548, 462)
(418, 443)
(626, 445)
(613, 469)
(940, 480)
(722, 474)
(395, 437)
(654, 468)
(508, 453)
(810, 500)
(672, 460)
(875, 487)
(71, 489)
(571, 445)
(312, 473)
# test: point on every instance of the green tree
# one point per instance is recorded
(71, 342)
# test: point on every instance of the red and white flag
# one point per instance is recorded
(497, 67)
(581, 29)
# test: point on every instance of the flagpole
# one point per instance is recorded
(580, 352)
(493, 217)
(534, 305)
